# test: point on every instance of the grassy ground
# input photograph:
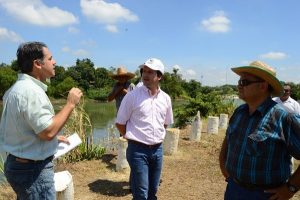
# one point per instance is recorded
(191, 174)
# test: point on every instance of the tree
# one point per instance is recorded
(62, 88)
(192, 88)
(86, 70)
(102, 78)
(60, 75)
(172, 84)
(7, 78)
(14, 65)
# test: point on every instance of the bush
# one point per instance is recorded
(98, 94)
(208, 104)
(80, 123)
(62, 89)
(7, 78)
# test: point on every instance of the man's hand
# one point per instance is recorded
(74, 96)
(63, 139)
(280, 193)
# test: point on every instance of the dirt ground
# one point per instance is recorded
(191, 174)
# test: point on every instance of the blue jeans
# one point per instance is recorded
(146, 165)
(236, 192)
(32, 180)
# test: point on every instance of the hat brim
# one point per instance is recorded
(268, 77)
(151, 67)
(128, 75)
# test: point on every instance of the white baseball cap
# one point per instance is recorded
(154, 64)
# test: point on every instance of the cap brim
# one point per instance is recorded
(268, 77)
(151, 67)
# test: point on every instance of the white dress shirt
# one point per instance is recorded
(290, 104)
(145, 115)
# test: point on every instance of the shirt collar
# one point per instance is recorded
(264, 107)
(149, 92)
(37, 82)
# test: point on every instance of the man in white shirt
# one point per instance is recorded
(288, 102)
(143, 116)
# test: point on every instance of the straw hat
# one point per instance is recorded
(263, 71)
(122, 72)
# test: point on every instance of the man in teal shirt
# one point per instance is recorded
(29, 127)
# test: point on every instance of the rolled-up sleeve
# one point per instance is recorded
(169, 116)
(125, 109)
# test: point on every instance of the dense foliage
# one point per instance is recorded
(209, 104)
(96, 84)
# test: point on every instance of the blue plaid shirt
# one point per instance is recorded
(260, 145)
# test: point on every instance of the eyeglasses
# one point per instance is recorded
(245, 82)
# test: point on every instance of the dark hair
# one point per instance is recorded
(159, 74)
(27, 53)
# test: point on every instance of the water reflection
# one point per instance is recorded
(102, 116)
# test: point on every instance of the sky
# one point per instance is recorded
(203, 39)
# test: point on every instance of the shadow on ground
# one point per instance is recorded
(108, 160)
(110, 188)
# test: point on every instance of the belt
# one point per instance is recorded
(150, 146)
(256, 186)
(24, 160)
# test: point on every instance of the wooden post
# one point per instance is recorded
(64, 185)
(196, 128)
(171, 141)
(122, 163)
(212, 125)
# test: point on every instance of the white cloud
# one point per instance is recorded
(6, 34)
(186, 74)
(89, 43)
(73, 30)
(107, 13)
(191, 73)
(112, 28)
(65, 49)
(177, 67)
(217, 23)
(80, 53)
(274, 56)
(37, 13)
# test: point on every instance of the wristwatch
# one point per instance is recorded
(292, 188)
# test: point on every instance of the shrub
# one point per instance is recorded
(80, 123)
(208, 104)
(98, 94)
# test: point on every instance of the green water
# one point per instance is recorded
(101, 115)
